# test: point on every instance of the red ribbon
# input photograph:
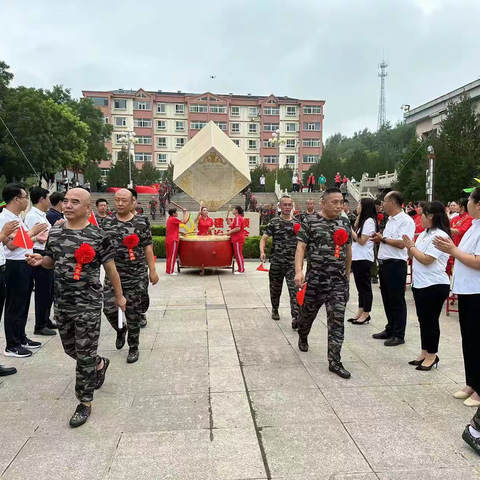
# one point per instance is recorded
(340, 238)
(131, 241)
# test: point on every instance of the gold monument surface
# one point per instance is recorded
(211, 168)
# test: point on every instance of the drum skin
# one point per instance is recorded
(205, 251)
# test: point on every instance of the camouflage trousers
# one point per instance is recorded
(277, 273)
(79, 331)
(475, 423)
(135, 292)
(335, 298)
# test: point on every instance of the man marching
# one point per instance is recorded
(283, 230)
(328, 238)
(132, 240)
(75, 250)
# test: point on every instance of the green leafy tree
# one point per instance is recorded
(5, 78)
(149, 175)
(168, 173)
(119, 175)
(92, 174)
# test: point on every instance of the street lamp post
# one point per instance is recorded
(430, 173)
(127, 140)
(277, 140)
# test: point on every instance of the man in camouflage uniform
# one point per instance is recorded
(132, 271)
(78, 303)
(328, 276)
(282, 261)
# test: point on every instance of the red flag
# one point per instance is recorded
(92, 219)
(301, 294)
(261, 268)
(22, 240)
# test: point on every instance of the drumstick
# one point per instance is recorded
(178, 206)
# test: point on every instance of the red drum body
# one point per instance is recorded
(209, 251)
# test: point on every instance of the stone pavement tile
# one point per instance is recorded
(187, 301)
(362, 404)
(10, 449)
(35, 387)
(284, 408)
(230, 410)
(235, 454)
(431, 474)
(340, 476)
(182, 325)
(222, 356)
(177, 455)
(266, 336)
(185, 315)
(176, 356)
(308, 450)
(454, 369)
(391, 446)
(218, 322)
(147, 340)
(362, 376)
(252, 323)
(220, 338)
(180, 339)
(18, 418)
(252, 313)
(268, 355)
(273, 377)
(86, 458)
(168, 412)
(226, 379)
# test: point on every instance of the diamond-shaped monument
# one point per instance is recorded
(211, 168)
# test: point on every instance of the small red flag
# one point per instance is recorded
(301, 294)
(22, 240)
(261, 268)
(92, 219)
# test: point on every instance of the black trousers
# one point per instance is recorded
(429, 303)
(393, 277)
(2, 289)
(43, 278)
(468, 308)
(19, 285)
(361, 273)
(374, 273)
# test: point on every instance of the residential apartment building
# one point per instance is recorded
(163, 123)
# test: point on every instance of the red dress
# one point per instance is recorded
(204, 224)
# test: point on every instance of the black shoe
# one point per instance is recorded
(133, 355)
(31, 344)
(121, 336)
(351, 320)
(367, 320)
(45, 331)
(394, 341)
(101, 373)
(294, 324)
(302, 344)
(143, 321)
(275, 315)
(382, 335)
(416, 362)
(375, 281)
(425, 368)
(339, 369)
(80, 416)
(18, 352)
(471, 440)
(5, 371)
(52, 324)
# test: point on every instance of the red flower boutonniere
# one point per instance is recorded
(83, 254)
(340, 238)
(131, 242)
(296, 228)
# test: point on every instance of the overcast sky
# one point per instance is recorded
(311, 49)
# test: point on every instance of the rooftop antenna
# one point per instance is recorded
(382, 106)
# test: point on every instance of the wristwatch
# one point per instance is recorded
(383, 240)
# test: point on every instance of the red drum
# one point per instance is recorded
(207, 251)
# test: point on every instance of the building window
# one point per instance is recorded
(270, 159)
(161, 158)
(291, 127)
(312, 109)
(290, 160)
(99, 101)
(161, 108)
(252, 128)
(253, 111)
(267, 144)
(235, 111)
(235, 128)
(142, 122)
(142, 105)
(217, 109)
(197, 125)
(311, 158)
(291, 143)
(180, 142)
(291, 111)
(179, 126)
(143, 157)
(105, 172)
(252, 160)
(120, 104)
(311, 126)
(311, 142)
(144, 140)
(198, 108)
(222, 125)
(271, 111)
(106, 119)
(120, 121)
(252, 144)
(236, 142)
(161, 125)
(162, 142)
(179, 108)
(270, 127)
(118, 137)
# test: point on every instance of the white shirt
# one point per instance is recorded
(365, 252)
(397, 226)
(34, 216)
(466, 280)
(433, 274)
(2, 254)
(262, 180)
(19, 253)
(294, 179)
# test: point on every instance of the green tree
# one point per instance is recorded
(5, 78)
(119, 175)
(148, 175)
(92, 174)
(168, 173)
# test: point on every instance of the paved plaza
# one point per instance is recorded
(221, 391)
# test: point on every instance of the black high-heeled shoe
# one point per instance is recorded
(416, 362)
(356, 322)
(421, 367)
(351, 320)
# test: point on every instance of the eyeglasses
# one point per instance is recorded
(26, 196)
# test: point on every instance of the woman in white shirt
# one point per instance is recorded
(466, 285)
(430, 282)
(363, 257)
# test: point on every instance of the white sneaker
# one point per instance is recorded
(238, 273)
(174, 273)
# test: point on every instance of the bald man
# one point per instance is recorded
(78, 302)
(132, 268)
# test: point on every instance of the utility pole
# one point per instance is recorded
(382, 106)
(430, 173)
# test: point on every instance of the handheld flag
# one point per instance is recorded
(92, 219)
(301, 294)
(261, 268)
(22, 240)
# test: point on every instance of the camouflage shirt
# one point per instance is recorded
(100, 220)
(284, 239)
(84, 294)
(317, 232)
(117, 231)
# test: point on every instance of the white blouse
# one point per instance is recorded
(466, 280)
(365, 252)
